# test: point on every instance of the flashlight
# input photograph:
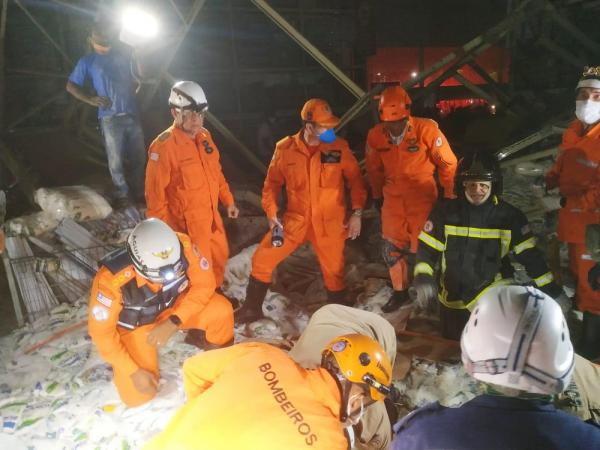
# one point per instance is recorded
(137, 26)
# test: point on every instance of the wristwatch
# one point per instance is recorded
(357, 212)
(175, 320)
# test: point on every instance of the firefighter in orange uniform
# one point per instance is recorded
(402, 155)
(576, 173)
(253, 396)
(184, 179)
(313, 165)
(142, 295)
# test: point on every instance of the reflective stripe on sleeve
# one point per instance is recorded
(528, 243)
(543, 280)
(431, 241)
(423, 268)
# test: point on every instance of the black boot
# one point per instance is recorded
(197, 338)
(398, 299)
(339, 297)
(251, 309)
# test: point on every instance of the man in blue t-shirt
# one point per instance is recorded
(112, 75)
(517, 343)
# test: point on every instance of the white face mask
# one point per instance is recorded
(587, 111)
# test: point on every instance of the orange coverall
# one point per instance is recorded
(404, 175)
(253, 396)
(316, 206)
(576, 172)
(198, 307)
(184, 183)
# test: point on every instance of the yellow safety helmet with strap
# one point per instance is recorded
(359, 359)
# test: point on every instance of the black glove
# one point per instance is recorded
(378, 203)
(424, 290)
(594, 277)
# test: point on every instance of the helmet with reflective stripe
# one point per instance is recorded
(518, 337)
(188, 95)
(394, 104)
(155, 251)
(359, 359)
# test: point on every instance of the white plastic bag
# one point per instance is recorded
(79, 203)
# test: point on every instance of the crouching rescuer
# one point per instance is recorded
(142, 295)
(273, 402)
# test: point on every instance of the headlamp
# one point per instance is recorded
(380, 387)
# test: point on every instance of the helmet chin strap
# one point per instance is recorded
(354, 418)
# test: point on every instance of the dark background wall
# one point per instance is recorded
(249, 69)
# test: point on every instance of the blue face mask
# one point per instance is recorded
(328, 136)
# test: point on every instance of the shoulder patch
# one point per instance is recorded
(428, 226)
(153, 156)
(100, 313)
(164, 136)
(439, 141)
(204, 265)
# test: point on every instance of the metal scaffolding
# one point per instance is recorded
(75, 116)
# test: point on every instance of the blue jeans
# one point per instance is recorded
(124, 141)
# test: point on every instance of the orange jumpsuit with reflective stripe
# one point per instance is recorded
(253, 396)
(404, 175)
(198, 307)
(184, 183)
(316, 207)
(576, 173)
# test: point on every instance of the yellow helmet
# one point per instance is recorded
(361, 359)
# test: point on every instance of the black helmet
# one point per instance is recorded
(478, 166)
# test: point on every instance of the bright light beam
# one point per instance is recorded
(139, 23)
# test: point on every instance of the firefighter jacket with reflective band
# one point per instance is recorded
(141, 305)
(110, 290)
(185, 181)
(576, 173)
(314, 185)
(253, 396)
(469, 242)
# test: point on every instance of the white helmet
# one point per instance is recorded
(517, 337)
(156, 251)
(188, 95)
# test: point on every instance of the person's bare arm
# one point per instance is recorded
(93, 100)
